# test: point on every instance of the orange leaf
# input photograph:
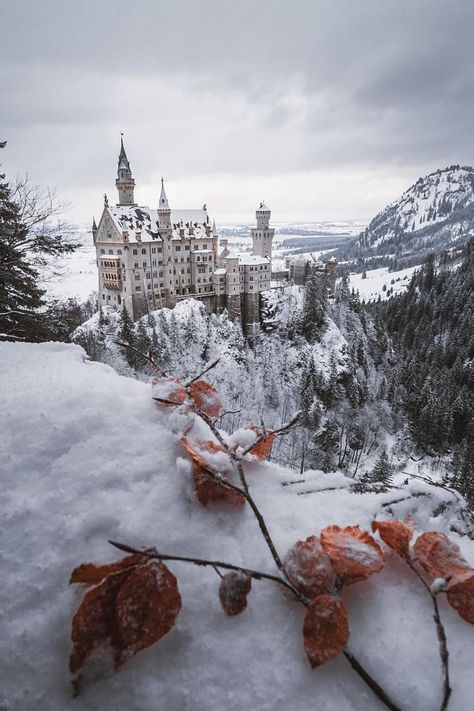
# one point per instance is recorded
(325, 629)
(207, 489)
(91, 574)
(148, 603)
(169, 391)
(460, 596)
(439, 556)
(206, 398)
(395, 534)
(94, 628)
(355, 555)
(262, 448)
(126, 612)
(309, 568)
(233, 591)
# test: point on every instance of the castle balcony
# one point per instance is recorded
(110, 273)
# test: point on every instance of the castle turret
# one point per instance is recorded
(164, 212)
(262, 234)
(94, 229)
(124, 182)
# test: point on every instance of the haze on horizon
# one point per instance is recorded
(322, 109)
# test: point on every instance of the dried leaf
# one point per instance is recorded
(147, 605)
(126, 612)
(262, 448)
(439, 556)
(92, 574)
(355, 555)
(309, 568)
(94, 625)
(207, 489)
(169, 391)
(206, 398)
(395, 534)
(325, 629)
(460, 596)
(233, 591)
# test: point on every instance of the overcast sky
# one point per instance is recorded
(329, 109)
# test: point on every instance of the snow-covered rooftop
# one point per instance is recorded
(144, 221)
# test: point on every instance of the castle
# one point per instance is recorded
(149, 258)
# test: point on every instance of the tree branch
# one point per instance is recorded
(256, 574)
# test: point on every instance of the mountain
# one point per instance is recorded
(435, 213)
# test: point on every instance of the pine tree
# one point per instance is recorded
(314, 307)
(127, 334)
(381, 474)
(26, 238)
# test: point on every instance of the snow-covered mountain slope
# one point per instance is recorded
(437, 210)
(87, 456)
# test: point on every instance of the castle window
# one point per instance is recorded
(153, 250)
(143, 250)
(148, 275)
(144, 264)
(111, 251)
(137, 277)
(153, 263)
(135, 251)
(155, 275)
(161, 274)
(161, 284)
(204, 246)
(119, 251)
(186, 247)
(136, 265)
(178, 248)
(103, 296)
(102, 251)
(182, 271)
(138, 288)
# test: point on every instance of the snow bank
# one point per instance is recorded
(88, 456)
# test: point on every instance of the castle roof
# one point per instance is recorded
(144, 221)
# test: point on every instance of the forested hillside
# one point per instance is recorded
(433, 381)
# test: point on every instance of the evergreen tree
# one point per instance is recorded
(314, 306)
(26, 239)
(381, 475)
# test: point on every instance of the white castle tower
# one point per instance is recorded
(125, 183)
(262, 234)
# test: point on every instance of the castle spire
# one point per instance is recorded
(163, 205)
(164, 212)
(124, 182)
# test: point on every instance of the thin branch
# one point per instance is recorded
(196, 377)
(227, 412)
(370, 681)
(256, 574)
(146, 357)
(441, 634)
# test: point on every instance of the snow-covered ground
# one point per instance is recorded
(88, 456)
(373, 285)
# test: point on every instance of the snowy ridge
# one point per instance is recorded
(90, 457)
(432, 200)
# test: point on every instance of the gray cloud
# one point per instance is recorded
(224, 88)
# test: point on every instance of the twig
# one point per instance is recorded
(227, 412)
(441, 634)
(257, 574)
(370, 681)
(196, 377)
(146, 357)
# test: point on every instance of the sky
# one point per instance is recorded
(327, 110)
